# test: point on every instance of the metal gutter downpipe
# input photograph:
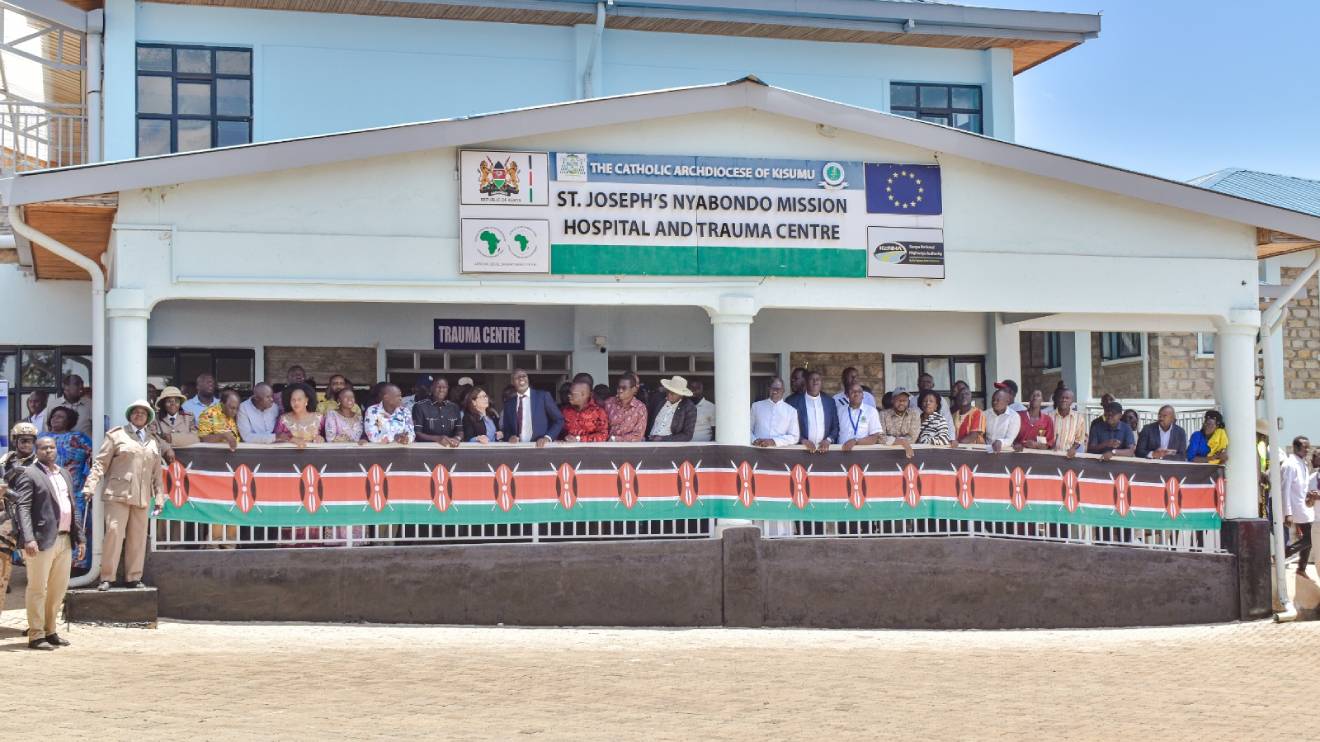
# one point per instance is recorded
(99, 389)
(1273, 369)
(92, 83)
(589, 75)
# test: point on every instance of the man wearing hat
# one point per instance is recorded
(174, 425)
(130, 462)
(23, 436)
(675, 418)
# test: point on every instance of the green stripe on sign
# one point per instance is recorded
(674, 260)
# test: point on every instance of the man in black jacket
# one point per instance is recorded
(1164, 439)
(49, 533)
(675, 418)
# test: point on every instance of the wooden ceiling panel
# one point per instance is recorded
(85, 227)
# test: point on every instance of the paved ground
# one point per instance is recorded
(263, 681)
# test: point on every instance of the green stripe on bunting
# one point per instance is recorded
(674, 260)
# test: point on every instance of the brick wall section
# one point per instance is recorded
(1033, 366)
(1176, 372)
(358, 364)
(870, 367)
(1301, 342)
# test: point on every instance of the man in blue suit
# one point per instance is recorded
(1164, 439)
(531, 415)
(818, 418)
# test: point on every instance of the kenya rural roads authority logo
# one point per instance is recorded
(497, 176)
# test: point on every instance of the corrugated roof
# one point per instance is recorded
(1284, 191)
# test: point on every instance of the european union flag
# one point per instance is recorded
(903, 189)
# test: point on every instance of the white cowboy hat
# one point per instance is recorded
(677, 385)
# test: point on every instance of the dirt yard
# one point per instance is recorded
(265, 681)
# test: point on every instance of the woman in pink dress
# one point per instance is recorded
(300, 425)
(343, 423)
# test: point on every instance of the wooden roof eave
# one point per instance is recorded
(83, 226)
(1272, 244)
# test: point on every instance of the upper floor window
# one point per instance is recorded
(192, 97)
(1120, 345)
(1053, 350)
(958, 106)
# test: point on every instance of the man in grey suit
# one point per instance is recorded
(1164, 439)
(50, 534)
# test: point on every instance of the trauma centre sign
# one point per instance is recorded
(622, 214)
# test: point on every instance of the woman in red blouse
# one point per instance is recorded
(1037, 428)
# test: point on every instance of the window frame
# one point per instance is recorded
(174, 353)
(917, 111)
(978, 395)
(1053, 351)
(175, 77)
(1110, 342)
(1201, 351)
(18, 391)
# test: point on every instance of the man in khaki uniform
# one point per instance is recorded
(130, 463)
(24, 437)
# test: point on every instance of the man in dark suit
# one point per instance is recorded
(531, 415)
(49, 534)
(818, 418)
(1164, 439)
(674, 417)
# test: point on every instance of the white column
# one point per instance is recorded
(1005, 358)
(589, 322)
(1075, 347)
(998, 102)
(1235, 351)
(127, 314)
(733, 369)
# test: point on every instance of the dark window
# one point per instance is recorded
(1119, 345)
(31, 370)
(179, 366)
(1053, 354)
(944, 370)
(192, 97)
(958, 106)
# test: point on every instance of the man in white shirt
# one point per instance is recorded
(205, 396)
(860, 422)
(774, 421)
(1298, 502)
(705, 430)
(850, 375)
(818, 417)
(258, 415)
(1002, 424)
(1011, 387)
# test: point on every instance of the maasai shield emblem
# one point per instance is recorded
(503, 487)
(442, 495)
(966, 481)
(1017, 495)
(177, 482)
(245, 489)
(800, 493)
(1123, 495)
(309, 488)
(746, 484)
(1221, 493)
(1173, 497)
(377, 488)
(566, 485)
(626, 482)
(1071, 499)
(687, 483)
(912, 485)
(856, 487)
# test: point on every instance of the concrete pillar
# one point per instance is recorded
(997, 107)
(119, 80)
(126, 329)
(1005, 358)
(1235, 351)
(733, 369)
(1075, 348)
(588, 322)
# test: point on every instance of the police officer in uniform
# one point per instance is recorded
(130, 463)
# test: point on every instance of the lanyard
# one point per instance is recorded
(858, 421)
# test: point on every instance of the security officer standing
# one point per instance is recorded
(24, 439)
(131, 464)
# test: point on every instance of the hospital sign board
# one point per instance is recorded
(621, 214)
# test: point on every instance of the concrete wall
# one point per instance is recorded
(739, 580)
(344, 72)
(64, 309)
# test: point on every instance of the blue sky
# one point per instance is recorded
(1179, 88)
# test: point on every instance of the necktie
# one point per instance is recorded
(519, 426)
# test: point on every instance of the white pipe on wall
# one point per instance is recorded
(92, 83)
(589, 82)
(99, 390)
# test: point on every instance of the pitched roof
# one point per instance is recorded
(747, 93)
(1285, 191)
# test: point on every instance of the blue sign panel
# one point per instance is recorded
(480, 334)
(903, 189)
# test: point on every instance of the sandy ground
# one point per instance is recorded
(284, 681)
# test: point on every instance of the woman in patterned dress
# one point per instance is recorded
(934, 426)
(300, 425)
(343, 423)
(74, 452)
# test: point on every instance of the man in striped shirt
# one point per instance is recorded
(1069, 426)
